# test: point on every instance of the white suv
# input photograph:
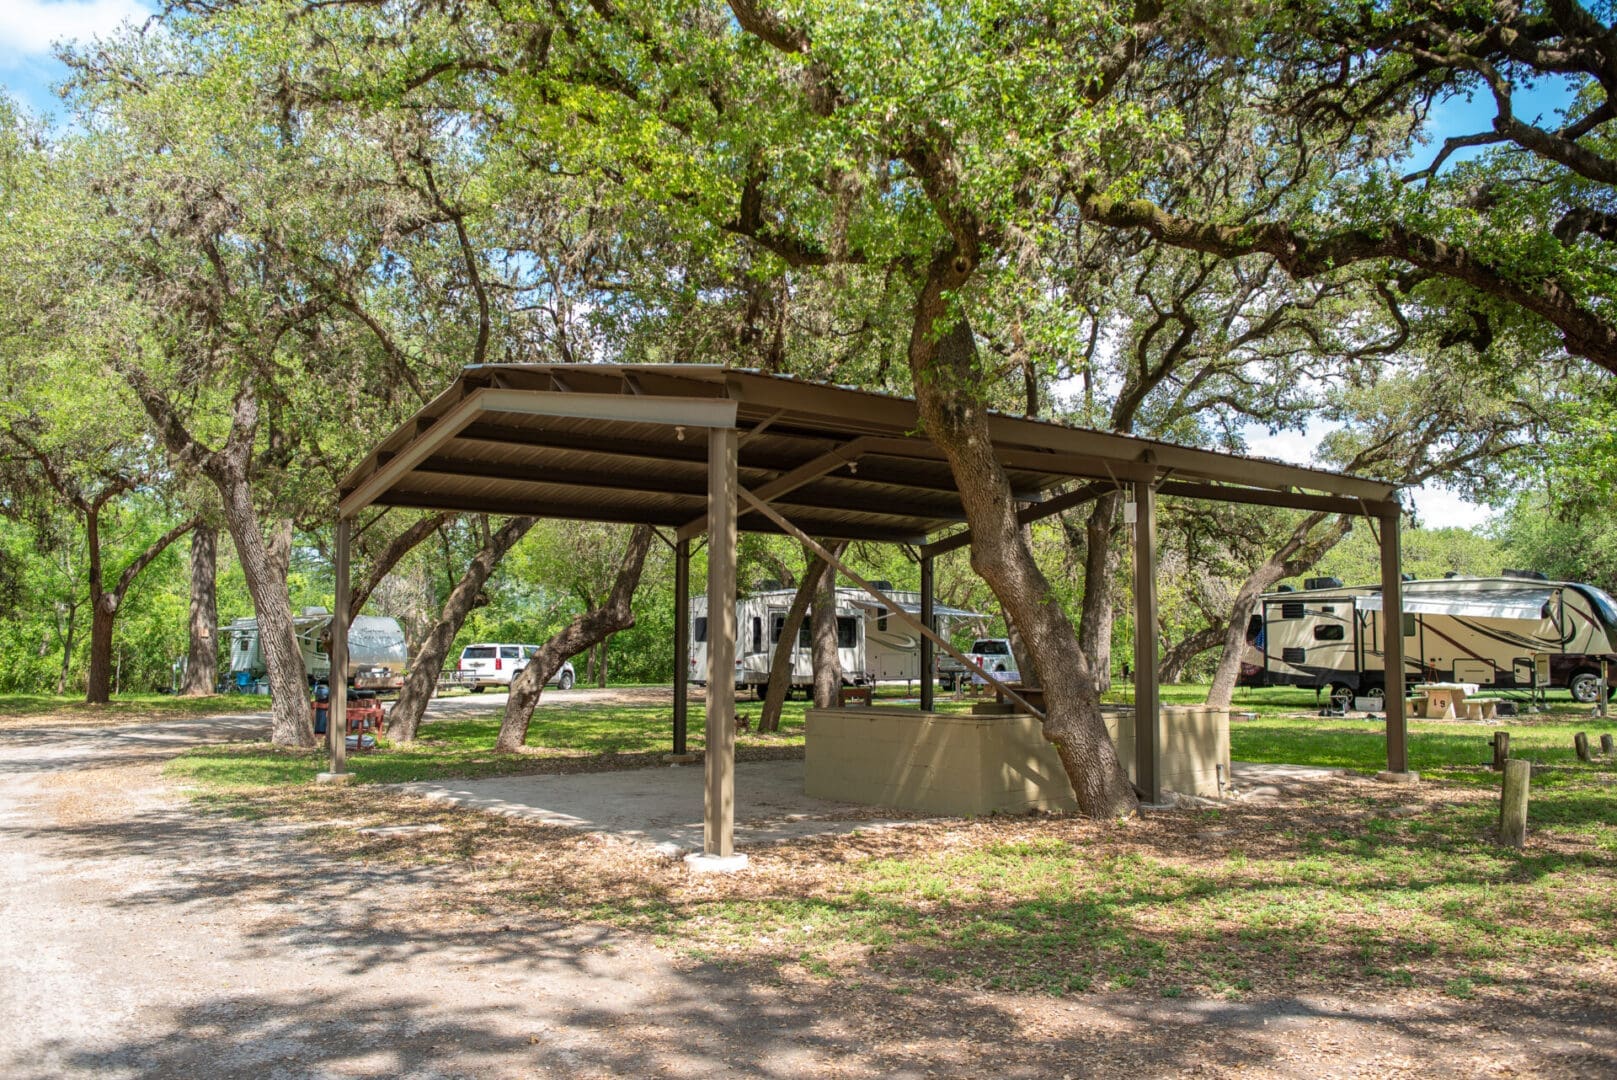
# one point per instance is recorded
(482, 666)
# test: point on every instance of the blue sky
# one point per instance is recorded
(27, 69)
(29, 27)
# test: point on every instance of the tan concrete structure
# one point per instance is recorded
(987, 762)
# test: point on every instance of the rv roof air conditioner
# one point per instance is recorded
(1285, 588)
(882, 585)
(1530, 575)
(1322, 583)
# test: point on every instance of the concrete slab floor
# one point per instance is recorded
(662, 807)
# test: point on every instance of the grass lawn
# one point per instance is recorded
(1347, 886)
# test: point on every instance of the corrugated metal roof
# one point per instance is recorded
(627, 443)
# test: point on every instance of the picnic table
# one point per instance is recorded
(1447, 701)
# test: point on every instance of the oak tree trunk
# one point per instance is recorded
(823, 635)
(202, 655)
(947, 383)
(1300, 551)
(404, 719)
(585, 630)
(265, 571)
(103, 616)
(1095, 615)
(780, 665)
(1177, 656)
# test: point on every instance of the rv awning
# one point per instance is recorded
(939, 610)
(1523, 603)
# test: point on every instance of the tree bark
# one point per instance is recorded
(780, 665)
(404, 720)
(105, 602)
(586, 629)
(600, 665)
(823, 630)
(67, 649)
(1294, 556)
(397, 549)
(946, 379)
(1100, 587)
(230, 470)
(277, 637)
(202, 655)
(1177, 656)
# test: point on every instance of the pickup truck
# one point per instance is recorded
(992, 654)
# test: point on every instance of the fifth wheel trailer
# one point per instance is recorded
(872, 645)
(1489, 631)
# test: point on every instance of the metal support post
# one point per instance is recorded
(928, 651)
(682, 642)
(1147, 703)
(337, 681)
(1392, 638)
(718, 823)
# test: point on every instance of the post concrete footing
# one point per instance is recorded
(702, 863)
(1398, 777)
(333, 777)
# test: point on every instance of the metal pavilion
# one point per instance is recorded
(697, 450)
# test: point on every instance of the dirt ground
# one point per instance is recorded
(141, 936)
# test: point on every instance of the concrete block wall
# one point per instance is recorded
(979, 764)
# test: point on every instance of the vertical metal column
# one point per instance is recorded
(1147, 698)
(337, 681)
(718, 822)
(928, 650)
(1392, 645)
(682, 641)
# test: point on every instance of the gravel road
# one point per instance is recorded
(141, 936)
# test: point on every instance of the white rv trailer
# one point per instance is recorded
(1489, 631)
(377, 654)
(872, 645)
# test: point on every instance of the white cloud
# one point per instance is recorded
(1440, 508)
(30, 27)
(1435, 507)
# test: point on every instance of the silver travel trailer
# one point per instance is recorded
(377, 654)
(872, 645)
(1495, 632)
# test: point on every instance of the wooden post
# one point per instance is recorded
(718, 822)
(1392, 637)
(1513, 802)
(337, 681)
(1501, 749)
(682, 643)
(1580, 743)
(1147, 704)
(1600, 707)
(1606, 746)
(928, 651)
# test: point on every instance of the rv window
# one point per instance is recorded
(777, 624)
(699, 634)
(881, 619)
(805, 634)
(757, 634)
(1294, 656)
(847, 632)
(1291, 609)
(1409, 625)
(1254, 630)
(1330, 632)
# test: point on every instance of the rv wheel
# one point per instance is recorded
(1341, 696)
(1377, 693)
(1585, 687)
